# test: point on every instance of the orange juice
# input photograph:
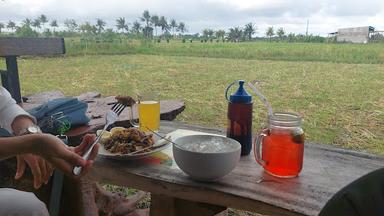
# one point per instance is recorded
(149, 115)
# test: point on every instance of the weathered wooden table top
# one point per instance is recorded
(326, 170)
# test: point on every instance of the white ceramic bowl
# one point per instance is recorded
(206, 157)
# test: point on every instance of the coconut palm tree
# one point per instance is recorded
(291, 37)
(71, 25)
(249, 30)
(280, 33)
(210, 33)
(100, 25)
(87, 28)
(136, 27)
(43, 19)
(163, 24)
(205, 33)
(121, 24)
(181, 28)
(270, 32)
(54, 25)
(1, 26)
(235, 34)
(36, 23)
(27, 22)
(146, 18)
(220, 34)
(11, 25)
(155, 22)
(173, 25)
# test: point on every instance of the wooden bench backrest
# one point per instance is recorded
(11, 46)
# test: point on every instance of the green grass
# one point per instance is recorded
(326, 52)
(342, 104)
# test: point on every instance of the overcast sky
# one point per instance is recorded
(323, 15)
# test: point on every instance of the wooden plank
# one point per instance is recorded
(12, 46)
(326, 170)
(10, 78)
(165, 205)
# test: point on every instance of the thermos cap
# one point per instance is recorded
(241, 95)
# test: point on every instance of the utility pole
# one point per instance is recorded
(306, 32)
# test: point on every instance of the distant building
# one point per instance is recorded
(353, 35)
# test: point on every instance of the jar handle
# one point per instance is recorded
(133, 123)
(228, 87)
(256, 148)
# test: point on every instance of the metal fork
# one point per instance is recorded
(111, 117)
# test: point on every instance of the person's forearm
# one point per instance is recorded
(12, 146)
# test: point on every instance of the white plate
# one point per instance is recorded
(116, 156)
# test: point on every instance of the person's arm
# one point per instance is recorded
(12, 146)
(10, 113)
(51, 149)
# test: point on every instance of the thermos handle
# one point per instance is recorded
(228, 87)
(256, 150)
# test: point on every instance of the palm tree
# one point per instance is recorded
(280, 32)
(163, 24)
(155, 22)
(136, 27)
(210, 33)
(43, 19)
(36, 23)
(54, 24)
(181, 28)
(249, 30)
(220, 34)
(146, 18)
(11, 25)
(121, 25)
(27, 22)
(173, 25)
(270, 32)
(235, 34)
(1, 26)
(70, 24)
(87, 28)
(291, 37)
(205, 33)
(100, 25)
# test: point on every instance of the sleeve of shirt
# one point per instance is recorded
(9, 110)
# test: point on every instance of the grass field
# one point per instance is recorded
(341, 103)
(325, 52)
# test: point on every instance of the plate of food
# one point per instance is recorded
(130, 143)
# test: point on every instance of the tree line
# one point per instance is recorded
(147, 25)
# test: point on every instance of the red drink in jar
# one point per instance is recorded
(280, 148)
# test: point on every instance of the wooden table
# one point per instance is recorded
(326, 170)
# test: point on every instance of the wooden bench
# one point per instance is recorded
(11, 48)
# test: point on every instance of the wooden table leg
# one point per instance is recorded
(165, 205)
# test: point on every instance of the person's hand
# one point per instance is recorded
(82, 148)
(65, 158)
(40, 168)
